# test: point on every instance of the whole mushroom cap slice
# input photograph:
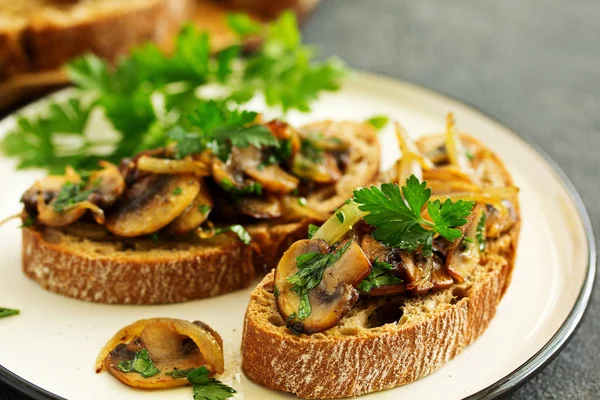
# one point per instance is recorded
(332, 298)
(152, 203)
(172, 344)
(195, 214)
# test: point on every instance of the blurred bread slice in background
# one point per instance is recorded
(37, 37)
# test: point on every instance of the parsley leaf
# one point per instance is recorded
(141, 363)
(239, 230)
(204, 208)
(177, 191)
(29, 222)
(380, 276)
(69, 195)
(253, 188)
(310, 273)
(481, 232)
(206, 388)
(243, 25)
(378, 121)
(180, 373)
(7, 312)
(312, 229)
(397, 219)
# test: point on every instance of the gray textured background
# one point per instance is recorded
(532, 64)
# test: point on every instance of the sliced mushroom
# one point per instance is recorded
(48, 187)
(332, 298)
(107, 184)
(324, 171)
(293, 210)
(273, 178)
(195, 214)
(463, 254)
(167, 166)
(48, 216)
(499, 221)
(284, 131)
(226, 172)
(267, 207)
(151, 204)
(172, 344)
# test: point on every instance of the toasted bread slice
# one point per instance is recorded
(383, 342)
(140, 271)
(85, 262)
(39, 35)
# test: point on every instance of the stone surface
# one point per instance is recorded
(532, 64)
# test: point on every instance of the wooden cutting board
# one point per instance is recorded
(209, 16)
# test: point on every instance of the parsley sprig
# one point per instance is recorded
(380, 276)
(310, 273)
(148, 93)
(396, 215)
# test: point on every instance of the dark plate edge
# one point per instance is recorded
(527, 370)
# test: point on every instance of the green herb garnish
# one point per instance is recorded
(380, 276)
(310, 273)
(204, 208)
(253, 188)
(238, 230)
(302, 201)
(481, 232)
(141, 363)
(283, 70)
(378, 121)
(180, 373)
(311, 230)
(397, 217)
(29, 222)
(69, 195)
(7, 312)
(206, 388)
(340, 216)
(177, 191)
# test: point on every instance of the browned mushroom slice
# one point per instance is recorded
(167, 166)
(499, 221)
(226, 175)
(273, 178)
(107, 184)
(284, 131)
(195, 214)
(324, 171)
(48, 187)
(151, 204)
(170, 345)
(332, 298)
(267, 207)
(48, 216)
(463, 254)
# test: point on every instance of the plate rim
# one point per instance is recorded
(519, 375)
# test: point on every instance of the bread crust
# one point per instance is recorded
(127, 278)
(350, 361)
(50, 38)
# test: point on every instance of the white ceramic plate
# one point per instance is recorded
(54, 342)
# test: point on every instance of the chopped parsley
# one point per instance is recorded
(7, 312)
(381, 275)
(310, 273)
(179, 373)
(340, 216)
(312, 229)
(481, 232)
(397, 218)
(276, 291)
(378, 121)
(141, 363)
(69, 195)
(302, 201)
(239, 231)
(28, 222)
(177, 191)
(470, 155)
(204, 387)
(204, 208)
(253, 188)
